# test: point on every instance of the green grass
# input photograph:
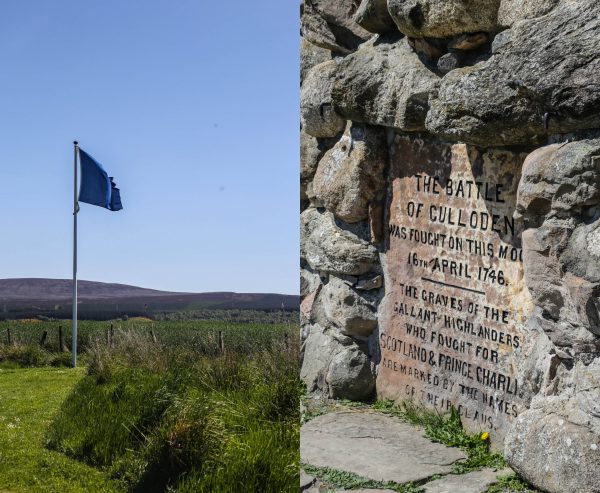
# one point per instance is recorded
(31, 356)
(201, 335)
(351, 481)
(29, 399)
(177, 417)
(511, 484)
(167, 415)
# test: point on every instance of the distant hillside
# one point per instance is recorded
(52, 297)
(61, 289)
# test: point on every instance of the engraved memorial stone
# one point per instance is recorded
(451, 321)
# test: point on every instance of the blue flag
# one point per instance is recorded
(97, 188)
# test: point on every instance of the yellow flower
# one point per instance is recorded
(485, 436)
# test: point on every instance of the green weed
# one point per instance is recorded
(510, 484)
(350, 481)
(448, 430)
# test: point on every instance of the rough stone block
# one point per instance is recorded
(444, 18)
(373, 16)
(386, 84)
(329, 248)
(317, 115)
(330, 24)
(512, 11)
(345, 308)
(543, 79)
(350, 175)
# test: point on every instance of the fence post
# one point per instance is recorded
(61, 341)
(154, 340)
(221, 343)
(286, 342)
(8, 336)
(43, 339)
(112, 336)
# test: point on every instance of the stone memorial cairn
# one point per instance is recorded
(450, 217)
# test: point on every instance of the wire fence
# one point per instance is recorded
(206, 337)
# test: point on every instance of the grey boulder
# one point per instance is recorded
(353, 313)
(351, 374)
(317, 115)
(312, 150)
(318, 348)
(350, 175)
(553, 454)
(559, 181)
(373, 15)
(559, 200)
(384, 83)
(555, 445)
(330, 24)
(544, 78)
(328, 247)
(449, 62)
(336, 366)
(310, 154)
(311, 55)
(443, 18)
(309, 281)
(513, 10)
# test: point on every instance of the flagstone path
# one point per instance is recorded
(382, 448)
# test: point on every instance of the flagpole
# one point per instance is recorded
(75, 211)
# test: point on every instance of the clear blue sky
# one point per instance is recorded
(191, 105)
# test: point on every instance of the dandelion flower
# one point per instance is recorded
(485, 435)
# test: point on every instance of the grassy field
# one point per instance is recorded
(202, 335)
(29, 400)
(156, 414)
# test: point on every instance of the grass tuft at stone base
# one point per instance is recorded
(447, 430)
(511, 484)
(350, 481)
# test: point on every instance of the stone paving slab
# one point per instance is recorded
(306, 480)
(367, 490)
(314, 489)
(374, 445)
(471, 482)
